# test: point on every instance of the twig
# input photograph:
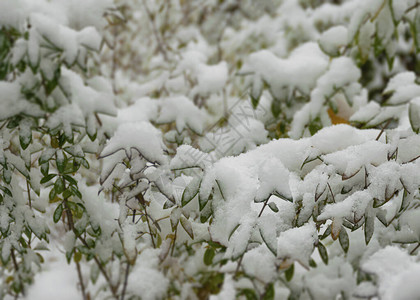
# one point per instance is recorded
(155, 32)
(414, 250)
(412, 7)
(127, 270)
(262, 209)
(82, 284)
(383, 129)
(29, 194)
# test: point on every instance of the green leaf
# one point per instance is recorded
(25, 138)
(77, 257)
(59, 185)
(168, 204)
(69, 254)
(206, 213)
(344, 239)
(254, 101)
(275, 108)
(273, 207)
(323, 252)
(47, 178)
(7, 175)
(249, 294)
(94, 273)
(190, 191)
(202, 202)
(268, 234)
(315, 125)
(50, 85)
(92, 135)
(61, 161)
(58, 213)
(85, 163)
(186, 224)
(76, 191)
(6, 191)
(70, 179)
(52, 195)
(312, 263)
(269, 292)
(326, 233)
(208, 256)
(369, 228)
(289, 272)
(414, 115)
(45, 168)
(67, 193)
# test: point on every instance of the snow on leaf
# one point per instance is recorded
(141, 137)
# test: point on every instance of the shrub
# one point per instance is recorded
(211, 149)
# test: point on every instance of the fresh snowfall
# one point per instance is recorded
(209, 149)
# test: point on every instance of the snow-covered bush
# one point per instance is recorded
(200, 149)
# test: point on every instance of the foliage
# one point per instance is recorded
(211, 149)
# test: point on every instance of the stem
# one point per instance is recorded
(173, 243)
(127, 270)
(82, 285)
(412, 7)
(414, 250)
(101, 269)
(155, 32)
(239, 265)
(148, 225)
(262, 209)
(71, 227)
(383, 129)
(12, 254)
(29, 195)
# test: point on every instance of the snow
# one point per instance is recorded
(353, 206)
(332, 39)
(352, 159)
(211, 78)
(297, 243)
(144, 281)
(139, 136)
(59, 281)
(396, 272)
(276, 71)
(183, 112)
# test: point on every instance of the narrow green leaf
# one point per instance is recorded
(344, 239)
(273, 207)
(7, 175)
(289, 272)
(58, 213)
(25, 138)
(69, 255)
(168, 204)
(52, 194)
(76, 191)
(59, 185)
(323, 253)
(186, 224)
(190, 191)
(249, 294)
(6, 191)
(269, 292)
(369, 228)
(70, 179)
(45, 168)
(208, 256)
(202, 202)
(61, 161)
(47, 178)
